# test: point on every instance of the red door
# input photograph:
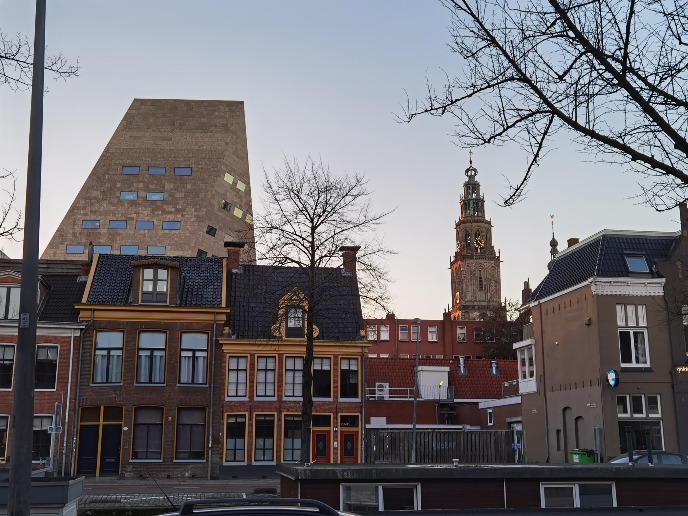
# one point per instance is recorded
(348, 448)
(320, 447)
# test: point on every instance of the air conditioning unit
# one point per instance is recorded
(381, 391)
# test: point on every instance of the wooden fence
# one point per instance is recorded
(437, 446)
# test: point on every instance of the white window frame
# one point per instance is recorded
(642, 399)
(461, 330)
(415, 332)
(372, 332)
(628, 405)
(379, 495)
(266, 376)
(293, 377)
(490, 417)
(6, 417)
(432, 333)
(575, 491)
(634, 362)
(384, 332)
(404, 332)
(237, 376)
(659, 405)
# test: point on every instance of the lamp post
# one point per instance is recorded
(415, 391)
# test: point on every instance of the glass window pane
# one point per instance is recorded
(145, 224)
(102, 249)
(557, 496)
(156, 171)
(155, 196)
(156, 249)
(90, 224)
(75, 249)
(182, 171)
(128, 196)
(117, 224)
(595, 495)
(130, 171)
(171, 224)
(129, 249)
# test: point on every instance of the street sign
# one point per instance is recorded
(54, 429)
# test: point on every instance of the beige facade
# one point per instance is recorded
(172, 180)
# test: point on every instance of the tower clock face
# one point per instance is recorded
(479, 243)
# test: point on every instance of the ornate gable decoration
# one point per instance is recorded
(292, 309)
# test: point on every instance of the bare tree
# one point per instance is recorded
(610, 73)
(10, 216)
(16, 62)
(309, 215)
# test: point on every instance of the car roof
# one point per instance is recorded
(257, 506)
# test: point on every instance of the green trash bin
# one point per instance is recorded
(582, 456)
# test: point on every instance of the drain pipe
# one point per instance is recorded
(212, 400)
(363, 409)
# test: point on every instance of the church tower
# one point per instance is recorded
(475, 275)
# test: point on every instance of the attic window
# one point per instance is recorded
(636, 263)
(154, 286)
(294, 322)
(9, 302)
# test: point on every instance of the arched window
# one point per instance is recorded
(481, 283)
(294, 322)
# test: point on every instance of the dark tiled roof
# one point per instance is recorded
(602, 256)
(257, 289)
(200, 282)
(478, 383)
(64, 291)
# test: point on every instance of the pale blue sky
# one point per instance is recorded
(317, 77)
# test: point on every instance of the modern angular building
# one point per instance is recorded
(173, 180)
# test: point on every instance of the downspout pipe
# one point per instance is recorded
(212, 400)
(364, 396)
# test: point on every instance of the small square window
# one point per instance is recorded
(155, 196)
(102, 249)
(156, 171)
(636, 263)
(171, 224)
(249, 218)
(182, 171)
(229, 178)
(212, 231)
(654, 409)
(90, 224)
(241, 186)
(75, 249)
(156, 249)
(128, 196)
(226, 205)
(201, 253)
(117, 224)
(128, 249)
(131, 171)
(144, 224)
(238, 212)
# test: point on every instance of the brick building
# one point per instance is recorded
(167, 158)
(58, 339)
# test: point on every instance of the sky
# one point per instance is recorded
(317, 78)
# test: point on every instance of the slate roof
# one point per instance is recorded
(200, 282)
(478, 383)
(65, 290)
(256, 291)
(602, 256)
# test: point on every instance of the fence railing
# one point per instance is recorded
(425, 392)
(436, 446)
(510, 388)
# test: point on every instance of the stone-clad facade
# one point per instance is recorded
(173, 180)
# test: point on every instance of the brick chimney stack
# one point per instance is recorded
(234, 254)
(349, 257)
(571, 241)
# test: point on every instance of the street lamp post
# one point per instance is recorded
(415, 391)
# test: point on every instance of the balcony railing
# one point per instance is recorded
(510, 389)
(425, 392)
(528, 331)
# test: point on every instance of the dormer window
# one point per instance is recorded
(154, 286)
(636, 263)
(9, 302)
(294, 322)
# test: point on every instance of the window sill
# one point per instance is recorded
(194, 385)
(146, 460)
(235, 463)
(265, 398)
(349, 400)
(329, 398)
(197, 461)
(293, 398)
(46, 390)
(107, 384)
(636, 369)
(264, 463)
(150, 385)
(236, 398)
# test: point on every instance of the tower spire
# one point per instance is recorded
(553, 251)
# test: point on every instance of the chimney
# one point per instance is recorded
(571, 241)
(234, 254)
(349, 257)
(526, 293)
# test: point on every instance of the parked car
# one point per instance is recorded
(257, 507)
(658, 457)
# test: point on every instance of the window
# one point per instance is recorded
(201, 253)
(117, 224)
(145, 224)
(654, 408)
(633, 347)
(292, 439)
(147, 439)
(636, 263)
(481, 282)
(265, 379)
(236, 376)
(294, 322)
(156, 250)
(583, 494)
(193, 362)
(403, 332)
(460, 334)
(640, 429)
(102, 249)
(90, 224)
(154, 286)
(6, 365)
(75, 249)
(107, 366)
(226, 205)
(637, 405)
(229, 178)
(211, 230)
(40, 450)
(155, 196)
(264, 446)
(240, 186)
(190, 438)
(635, 411)
(631, 315)
(372, 332)
(415, 332)
(363, 498)
(129, 249)
(526, 363)
(9, 302)
(322, 378)
(235, 438)
(128, 196)
(150, 367)
(171, 225)
(4, 426)
(46, 367)
(293, 377)
(238, 212)
(622, 408)
(182, 171)
(156, 171)
(432, 333)
(490, 417)
(384, 332)
(130, 171)
(348, 378)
